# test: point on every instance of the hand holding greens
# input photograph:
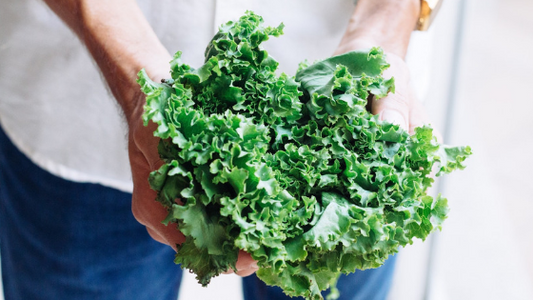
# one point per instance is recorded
(293, 170)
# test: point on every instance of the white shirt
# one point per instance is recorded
(55, 107)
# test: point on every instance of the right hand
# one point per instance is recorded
(144, 159)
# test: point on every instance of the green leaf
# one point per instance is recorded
(319, 77)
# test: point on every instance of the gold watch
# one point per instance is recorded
(428, 11)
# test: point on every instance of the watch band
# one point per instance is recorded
(428, 11)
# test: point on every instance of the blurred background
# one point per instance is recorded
(482, 51)
(481, 64)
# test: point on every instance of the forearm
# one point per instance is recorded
(384, 23)
(121, 42)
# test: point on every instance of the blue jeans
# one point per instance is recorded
(67, 240)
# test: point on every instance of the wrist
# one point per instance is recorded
(121, 49)
(384, 23)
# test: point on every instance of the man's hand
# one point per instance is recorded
(388, 24)
(142, 148)
(122, 42)
(402, 107)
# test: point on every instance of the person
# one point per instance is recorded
(66, 227)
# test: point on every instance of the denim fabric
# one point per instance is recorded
(66, 240)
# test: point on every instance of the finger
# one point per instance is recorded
(144, 158)
(145, 140)
(419, 117)
(395, 107)
(150, 213)
(156, 235)
(246, 272)
(246, 265)
(168, 235)
(229, 271)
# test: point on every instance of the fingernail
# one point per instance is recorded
(254, 265)
(394, 117)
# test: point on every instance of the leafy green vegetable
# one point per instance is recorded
(293, 170)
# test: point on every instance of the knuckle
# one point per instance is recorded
(138, 213)
(155, 235)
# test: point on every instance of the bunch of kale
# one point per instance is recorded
(293, 170)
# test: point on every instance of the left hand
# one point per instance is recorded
(401, 107)
(388, 24)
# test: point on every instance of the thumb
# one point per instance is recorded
(394, 116)
(395, 107)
